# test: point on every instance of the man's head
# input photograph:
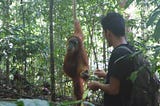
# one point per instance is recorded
(113, 24)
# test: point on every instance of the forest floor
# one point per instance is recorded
(19, 88)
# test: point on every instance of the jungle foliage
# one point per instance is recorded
(25, 37)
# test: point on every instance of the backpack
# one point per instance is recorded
(146, 86)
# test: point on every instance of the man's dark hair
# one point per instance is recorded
(115, 23)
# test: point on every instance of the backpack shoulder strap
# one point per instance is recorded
(125, 48)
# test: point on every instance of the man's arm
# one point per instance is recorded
(100, 73)
(112, 88)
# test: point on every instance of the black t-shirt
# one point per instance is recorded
(121, 69)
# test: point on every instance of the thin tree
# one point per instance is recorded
(23, 20)
(6, 24)
(104, 42)
(52, 52)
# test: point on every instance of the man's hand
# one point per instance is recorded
(112, 88)
(100, 73)
(93, 85)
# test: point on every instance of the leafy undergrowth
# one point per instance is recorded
(25, 102)
(11, 94)
(38, 102)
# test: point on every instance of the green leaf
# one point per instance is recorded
(32, 102)
(88, 103)
(138, 1)
(153, 17)
(2, 1)
(133, 76)
(7, 104)
(128, 3)
(157, 49)
(85, 93)
(156, 34)
(68, 103)
(20, 103)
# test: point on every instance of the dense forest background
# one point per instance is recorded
(28, 41)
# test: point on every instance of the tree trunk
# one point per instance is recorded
(23, 22)
(7, 27)
(104, 55)
(7, 70)
(104, 43)
(94, 49)
(53, 97)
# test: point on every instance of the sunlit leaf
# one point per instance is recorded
(153, 17)
(128, 3)
(138, 1)
(20, 103)
(133, 76)
(88, 103)
(85, 93)
(157, 48)
(7, 104)
(156, 34)
(32, 102)
(68, 103)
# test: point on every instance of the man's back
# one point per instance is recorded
(120, 70)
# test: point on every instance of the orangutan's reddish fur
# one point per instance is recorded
(76, 63)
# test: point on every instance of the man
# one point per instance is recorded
(117, 88)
